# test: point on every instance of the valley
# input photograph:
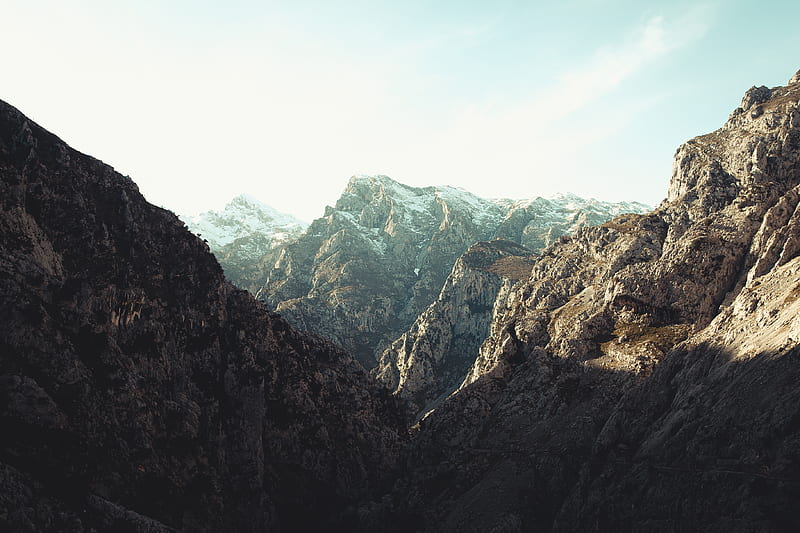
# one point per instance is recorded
(416, 359)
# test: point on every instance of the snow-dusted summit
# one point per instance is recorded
(244, 216)
(243, 234)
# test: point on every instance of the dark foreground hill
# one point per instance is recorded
(140, 391)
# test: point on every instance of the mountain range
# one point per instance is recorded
(636, 375)
(364, 272)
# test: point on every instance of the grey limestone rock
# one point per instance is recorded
(638, 375)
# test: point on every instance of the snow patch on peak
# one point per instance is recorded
(376, 181)
(484, 212)
(244, 216)
(246, 199)
(413, 205)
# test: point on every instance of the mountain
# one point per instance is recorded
(644, 377)
(639, 375)
(364, 272)
(244, 236)
(140, 391)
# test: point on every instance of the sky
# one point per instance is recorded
(199, 101)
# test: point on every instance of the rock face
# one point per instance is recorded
(245, 237)
(644, 377)
(362, 274)
(431, 359)
(140, 391)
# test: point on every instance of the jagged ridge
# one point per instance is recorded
(363, 273)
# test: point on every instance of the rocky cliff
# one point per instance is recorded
(245, 237)
(140, 391)
(431, 359)
(362, 274)
(644, 377)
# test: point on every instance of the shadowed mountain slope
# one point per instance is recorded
(140, 391)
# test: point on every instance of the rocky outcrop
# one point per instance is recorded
(431, 359)
(245, 237)
(643, 377)
(710, 440)
(140, 391)
(362, 274)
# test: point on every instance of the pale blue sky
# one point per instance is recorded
(198, 101)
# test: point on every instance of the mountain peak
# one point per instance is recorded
(151, 395)
(363, 190)
(244, 216)
(566, 196)
(247, 199)
(714, 182)
(375, 181)
(370, 178)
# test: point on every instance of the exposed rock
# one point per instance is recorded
(139, 391)
(711, 440)
(362, 274)
(644, 378)
(430, 360)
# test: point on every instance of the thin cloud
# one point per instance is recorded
(541, 136)
(609, 67)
